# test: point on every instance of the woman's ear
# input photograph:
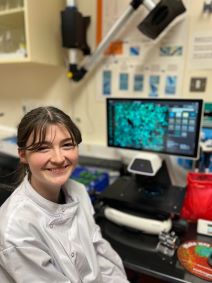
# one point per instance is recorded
(22, 156)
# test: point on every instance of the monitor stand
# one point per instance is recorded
(149, 196)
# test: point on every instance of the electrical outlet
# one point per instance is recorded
(198, 84)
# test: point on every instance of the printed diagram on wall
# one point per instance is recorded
(201, 50)
(154, 82)
(138, 83)
(106, 82)
(171, 85)
(136, 65)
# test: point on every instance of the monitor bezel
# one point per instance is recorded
(200, 102)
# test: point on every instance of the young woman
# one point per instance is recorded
(47, 230)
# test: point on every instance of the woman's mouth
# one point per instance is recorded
(58, 169)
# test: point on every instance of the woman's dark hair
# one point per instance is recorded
(35, 123)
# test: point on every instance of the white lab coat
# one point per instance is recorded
(41, 241)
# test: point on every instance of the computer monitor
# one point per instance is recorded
(163, 126)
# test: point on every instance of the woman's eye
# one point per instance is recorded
(68, 145)
(43, 148)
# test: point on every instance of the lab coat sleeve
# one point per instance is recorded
(111, 266)
(110, 263)
(29, 264)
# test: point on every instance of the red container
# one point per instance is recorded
(198, 198)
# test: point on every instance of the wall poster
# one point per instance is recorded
(136, 65)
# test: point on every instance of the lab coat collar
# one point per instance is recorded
(51, 207)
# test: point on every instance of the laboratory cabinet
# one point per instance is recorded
(30, 31)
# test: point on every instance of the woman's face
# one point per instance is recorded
(53, 163)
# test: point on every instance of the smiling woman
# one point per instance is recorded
(52, 162)
(47, 229)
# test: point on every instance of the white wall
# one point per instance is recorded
(30, 86)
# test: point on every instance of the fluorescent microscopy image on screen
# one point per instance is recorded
(166, 126)
(140, 125)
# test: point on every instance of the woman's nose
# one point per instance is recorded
(57, 156)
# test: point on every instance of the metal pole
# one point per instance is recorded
(108, 38)
(90, 61)
(149, 4)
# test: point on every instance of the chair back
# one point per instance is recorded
(5, 192)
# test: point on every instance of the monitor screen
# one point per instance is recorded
(165, 126)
